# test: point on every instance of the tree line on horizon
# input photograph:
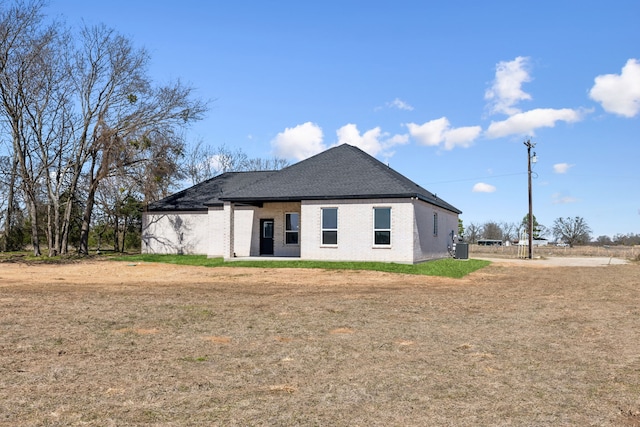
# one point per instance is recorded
(571, 231)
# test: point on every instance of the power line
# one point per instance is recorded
(477, 178)
(607, 177)
(631, 178)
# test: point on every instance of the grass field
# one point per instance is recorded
(138, 343)
(447, 267)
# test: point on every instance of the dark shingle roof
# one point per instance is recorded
(342, 172)
(207, 192)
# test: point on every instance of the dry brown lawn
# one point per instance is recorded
(117, 344)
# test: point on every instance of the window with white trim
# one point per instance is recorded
(382, 226)
(435, 223)
(291, 228)
(329, 226)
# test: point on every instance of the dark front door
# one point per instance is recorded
(266, 237)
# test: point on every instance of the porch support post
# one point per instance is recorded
(229, 230)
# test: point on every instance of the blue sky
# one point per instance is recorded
(445, 92)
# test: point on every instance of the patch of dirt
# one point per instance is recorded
(104, 343)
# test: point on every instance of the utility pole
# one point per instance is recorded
(530, 159)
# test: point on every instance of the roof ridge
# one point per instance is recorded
(342, 171)
(395, 174)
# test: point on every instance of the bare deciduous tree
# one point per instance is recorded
(259, 164)
(204, 162)
(629, 239)
(509, 231)
(79, 111)
(572, 230)
(200, 163)
(45, 115)
(23, 42)
(491, 230)
(9, 240)
(122, 115)
(473, 232)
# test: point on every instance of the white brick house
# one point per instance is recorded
(340, 205)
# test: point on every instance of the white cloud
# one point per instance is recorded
(560, 199)
(398, 139)
(482, 187)
(463, 136)
(506, 90)
(619, 93)
(525, 123)
(299, 142)
(373, 141)
(562, 167)
(430, 133)
(305, 140)
(399, 104)
(368, 142)
(439, 131)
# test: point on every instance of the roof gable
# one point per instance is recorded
(342, 172)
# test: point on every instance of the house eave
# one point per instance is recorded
(247, 202)
(437, 202)
(314, 197)
(176, 209)
(261, 200)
